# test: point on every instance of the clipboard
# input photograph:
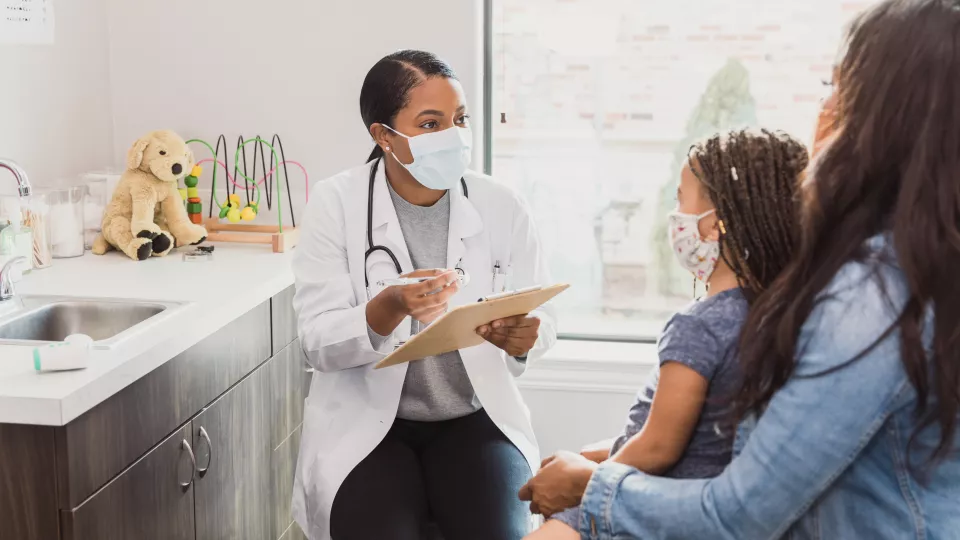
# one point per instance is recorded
(457, 329)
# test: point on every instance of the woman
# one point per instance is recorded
(851, 359)
(827, 119)
(445, 439)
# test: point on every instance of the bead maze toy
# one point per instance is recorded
(232, 208)
(192, 196)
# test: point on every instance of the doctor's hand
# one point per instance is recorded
(514, 335)
(425, 301)
(559, 484)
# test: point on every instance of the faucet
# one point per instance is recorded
(7, 291)
(23, 183)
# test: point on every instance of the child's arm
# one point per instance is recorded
(599, 451)
(554, 530)
(673, 417)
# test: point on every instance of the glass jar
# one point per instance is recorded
(94, 203)
(65, 223)
(37, 217)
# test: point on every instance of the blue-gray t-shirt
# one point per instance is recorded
(703, 336)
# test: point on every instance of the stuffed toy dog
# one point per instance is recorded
(146, 216)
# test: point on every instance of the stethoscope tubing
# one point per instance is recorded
(373, 247)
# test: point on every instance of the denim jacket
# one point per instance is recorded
(827, 459)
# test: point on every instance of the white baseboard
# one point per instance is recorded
(584, 366)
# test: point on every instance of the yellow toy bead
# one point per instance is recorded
(192, 192)
(247, 214)
(196, 171)
(233, 216)
(234, 201)
(184, 193)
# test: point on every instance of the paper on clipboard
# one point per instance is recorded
(457, 329)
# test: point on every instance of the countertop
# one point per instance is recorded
(239, 278)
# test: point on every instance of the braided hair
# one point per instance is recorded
(753, 179)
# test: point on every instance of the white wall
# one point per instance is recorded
(55, 117)
(205, 67)
(293, 67)
(571, 418)
(581, 391)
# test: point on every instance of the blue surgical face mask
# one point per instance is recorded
(439, 158)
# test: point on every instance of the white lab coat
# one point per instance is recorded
(351, 407)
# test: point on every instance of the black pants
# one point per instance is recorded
(461, 474)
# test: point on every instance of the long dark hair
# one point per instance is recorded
(752, 178)
(387, 86)
(893, 167)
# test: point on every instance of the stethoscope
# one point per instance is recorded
(373, 247)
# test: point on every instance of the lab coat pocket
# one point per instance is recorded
(499, 283)
(492, 283)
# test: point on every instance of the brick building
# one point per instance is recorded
(597, 94)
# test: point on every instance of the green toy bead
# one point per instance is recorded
(191, 181)
(194, 208)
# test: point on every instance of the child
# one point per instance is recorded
(735, 228)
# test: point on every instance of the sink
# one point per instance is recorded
(107, 321)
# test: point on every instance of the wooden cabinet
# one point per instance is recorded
(91, 450)
(293, 533)
(223, 418)
(246, 452)
(27, 483)
(152, 500)
(283, 319)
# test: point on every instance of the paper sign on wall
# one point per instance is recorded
(26, 21)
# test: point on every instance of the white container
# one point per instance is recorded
(37, 218)
(16, 240)
(94, 203)
(72, 353)
(65, 220)
(110, 174)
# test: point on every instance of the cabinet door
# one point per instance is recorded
(246, 451)
(105, 440)
(151, 500)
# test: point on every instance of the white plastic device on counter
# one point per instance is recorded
(71, 353)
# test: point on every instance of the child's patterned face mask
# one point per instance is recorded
(694, 253)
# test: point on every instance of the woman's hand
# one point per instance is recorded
(559, 484)
(514, 335)
(425, 301)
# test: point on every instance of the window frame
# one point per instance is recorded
(487, 119)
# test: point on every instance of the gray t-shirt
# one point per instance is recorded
(437, 387)
(704, 337)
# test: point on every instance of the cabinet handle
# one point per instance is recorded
(193, 462)
(206, 438)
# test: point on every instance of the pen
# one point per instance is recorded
(462, 276)
(402, 281)
(510, 293)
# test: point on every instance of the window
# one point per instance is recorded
(596, 102)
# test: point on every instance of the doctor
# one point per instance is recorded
(445, 439)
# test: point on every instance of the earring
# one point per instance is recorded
(388, 149)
